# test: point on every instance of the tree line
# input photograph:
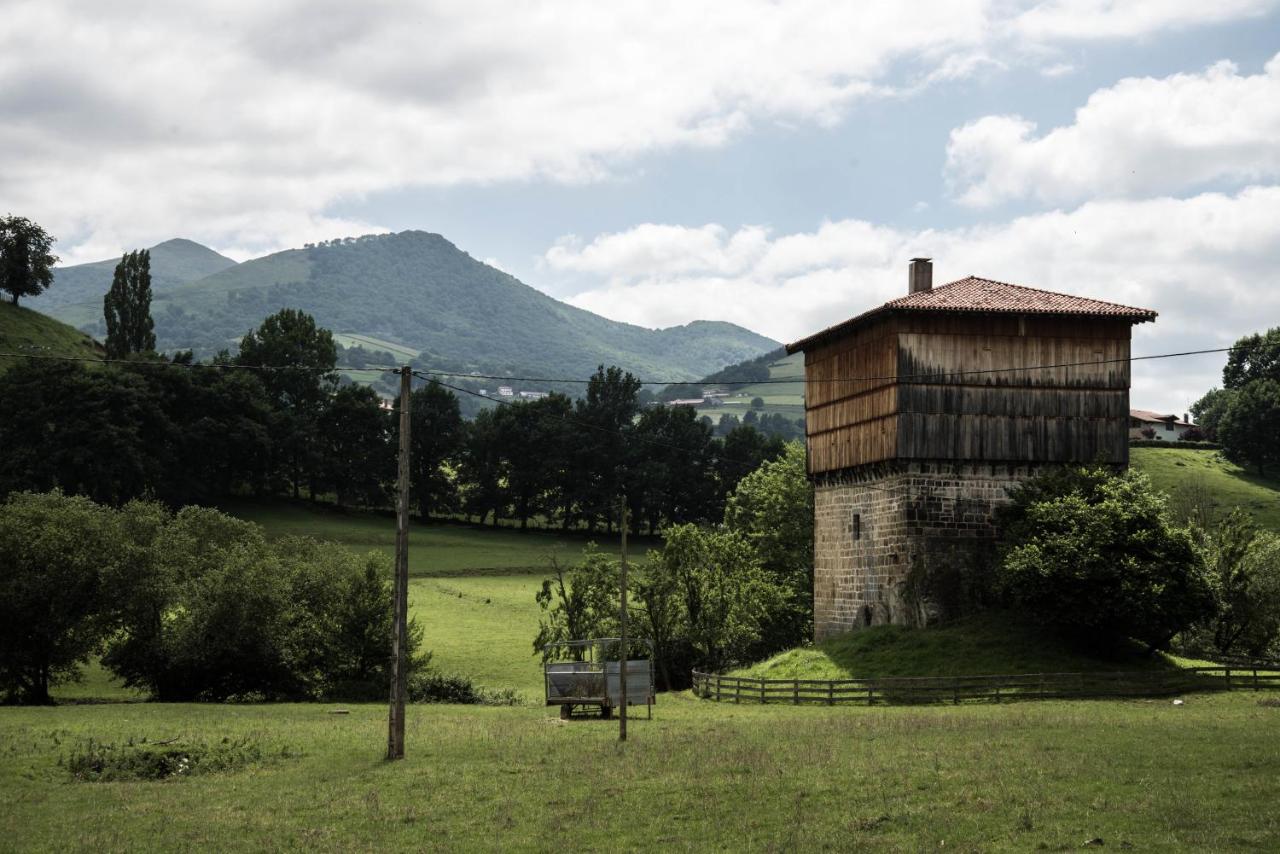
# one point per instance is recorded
(274, 419)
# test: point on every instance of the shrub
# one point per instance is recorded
(1095, 555)
(95, 761)
(215, 612)
(427, 687)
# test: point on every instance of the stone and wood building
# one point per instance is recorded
(922, 413)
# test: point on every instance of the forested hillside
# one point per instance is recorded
(76, 294)
(419, 290)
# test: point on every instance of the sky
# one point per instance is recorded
(773, 164)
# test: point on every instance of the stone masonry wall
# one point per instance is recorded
(860, 567)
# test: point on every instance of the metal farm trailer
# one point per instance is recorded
(583, 676)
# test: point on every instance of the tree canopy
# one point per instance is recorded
(127, 307)
(26, 262)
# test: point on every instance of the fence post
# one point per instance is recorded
(1228, 678)
(831, 693)
(737, 690)
(795, 693)
(762, 698)
(717, 687)
(955, 690)
(997, 692)
(871, 693)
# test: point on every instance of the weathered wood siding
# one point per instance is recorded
(852, 422)
(939, 396)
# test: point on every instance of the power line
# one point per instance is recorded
(577, 381)
(895, 377)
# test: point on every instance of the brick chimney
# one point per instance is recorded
(920, 275)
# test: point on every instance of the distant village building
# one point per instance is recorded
(917, 428)
(533, 395)
(689, 401)
(1167, 427)
(505, 391)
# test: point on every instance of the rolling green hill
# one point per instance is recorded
(1184, 473)
(419, 291)
(23, 330)
(77, 291)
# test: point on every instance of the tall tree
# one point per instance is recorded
(435, 437)
(301, 358)
(54, 550)
(1250, 428)
(127, 307)
(606, 414)
(26, 264)
(1253, 357)
(354, 436)
(482, 466)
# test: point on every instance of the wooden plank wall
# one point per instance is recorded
(940, 409)
(852, 422)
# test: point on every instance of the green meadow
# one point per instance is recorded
(1138, 775)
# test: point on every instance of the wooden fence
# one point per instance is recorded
(960, 689)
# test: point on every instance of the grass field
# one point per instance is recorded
(25, 331)
(1228, 483)
(368, 342)
(1145, 775)
(786, 398)
(989, 644)
(441, 548)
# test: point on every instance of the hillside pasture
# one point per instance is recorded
(368, 342)
(29, 332)
(987, 644)
(1226, 484)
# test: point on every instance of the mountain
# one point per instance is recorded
(77, 291)
(23, 330)
(419, 291)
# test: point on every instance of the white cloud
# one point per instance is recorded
(1141, 136)
(1208, 264)
(1119, 19)
(243, 124)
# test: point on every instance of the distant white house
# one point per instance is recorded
(690, 401)
(1167, 427)
(534, 395)
(505, 391)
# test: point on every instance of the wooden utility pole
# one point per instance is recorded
(400, 607)
(622, 661)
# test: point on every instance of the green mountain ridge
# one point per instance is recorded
(77, 291)
(419, 290)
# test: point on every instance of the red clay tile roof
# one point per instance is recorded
(974, 294)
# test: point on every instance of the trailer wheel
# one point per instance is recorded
(566, 711)
(606, 712)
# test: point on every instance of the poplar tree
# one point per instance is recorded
(127, 307)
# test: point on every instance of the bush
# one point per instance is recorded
(426, 687)
(95, 761)
(1183, 444)
(1095, 555)
(209, 610)
(1244, 566)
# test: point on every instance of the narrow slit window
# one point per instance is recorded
(857, 526)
